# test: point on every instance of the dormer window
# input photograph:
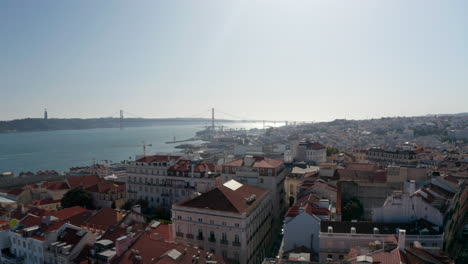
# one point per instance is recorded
(330, 229)
(353, 230)
(376, 230)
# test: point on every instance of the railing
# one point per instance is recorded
(12, 259)
(179, 234)
(236, 243)
(200, 237)
(224, 241)
(212, 239)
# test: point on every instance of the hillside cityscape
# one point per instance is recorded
(388, 190)
(234, 132)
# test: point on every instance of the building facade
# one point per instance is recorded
(164, 179)
(262, 172)
(232, 220)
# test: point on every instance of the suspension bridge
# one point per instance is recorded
(207, 115)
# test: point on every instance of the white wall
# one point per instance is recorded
(302, 230)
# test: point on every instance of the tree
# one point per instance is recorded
(77, 197)
(353, 210)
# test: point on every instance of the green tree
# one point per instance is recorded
(77, 197)
(332, 151)
(353, 210)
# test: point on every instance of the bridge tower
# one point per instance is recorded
(212, 120)
(45, 114)
(121, 119)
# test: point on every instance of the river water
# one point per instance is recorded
(60, 150)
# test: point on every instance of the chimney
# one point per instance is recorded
(401, 239)
(248, 160)
(410, 187)
(324, 203)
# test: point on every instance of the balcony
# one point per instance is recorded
(179, 234)
(11, 259)
(224, 241)
(236, 243)
(212, 239)
(189, 236)
(200, 237)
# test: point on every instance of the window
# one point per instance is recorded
(190, 218)
(224, 253)
(330, 256)
(179, 217)
(223, 223)
(236, 238)
(200, 220)
(236, 225)
(211, 222)
(224, 236)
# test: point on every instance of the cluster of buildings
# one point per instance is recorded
(339, 192)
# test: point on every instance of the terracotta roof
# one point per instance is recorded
(83, 181)
(152, 249)
(382, 256)
(56, 185)
(70, 212)
(31, 220)
(103, 219)
(222, 198)
(199, 166)
(20, 212)
(107, 187)
(259, 162)
(165, 230)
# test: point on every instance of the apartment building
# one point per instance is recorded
(232, 220)
(165, 179)
(266, 173)
(337, 238)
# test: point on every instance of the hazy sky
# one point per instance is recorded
(295, 60)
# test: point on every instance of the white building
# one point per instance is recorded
(310, 152)
(70, 242)
(266, 173)
(337, 238)
(164, 179)
(232, 220)
(424, 203)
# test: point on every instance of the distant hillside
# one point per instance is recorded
(39, 124)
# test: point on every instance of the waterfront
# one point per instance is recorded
(60, 150)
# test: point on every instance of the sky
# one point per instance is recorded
(276, 60)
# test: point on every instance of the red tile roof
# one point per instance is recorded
(83, 181)
(199, 166)
(103, 219)
(165, 230)
(152, 249)
(259, 162)
(70, 212)
(56, 186)
(31, 220)
(222, 198)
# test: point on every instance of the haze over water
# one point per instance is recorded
(60, 150)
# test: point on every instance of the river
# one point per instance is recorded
(60, 150)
